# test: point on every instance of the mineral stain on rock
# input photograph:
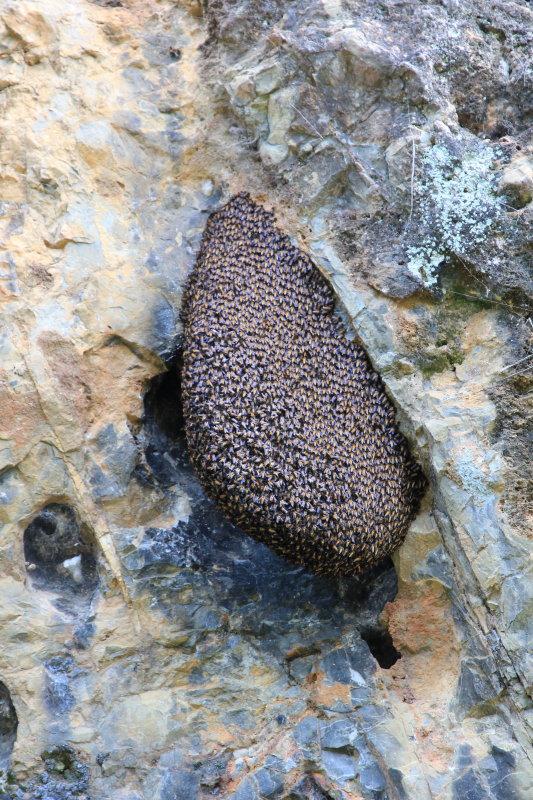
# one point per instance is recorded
(288, 426)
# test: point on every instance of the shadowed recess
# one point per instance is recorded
(288, 426)
(381, 646)
(232, 569)
(60, 553)
(8, 726)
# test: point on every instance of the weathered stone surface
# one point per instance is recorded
(159, 653)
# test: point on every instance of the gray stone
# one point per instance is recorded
(501, 779)
(180, 785)
(246, 791)
(362, 664)
(372, 778)
(338, 735)
(395, 777)
(240, 717)
(300, 667)
(306, 732)
(476, 686)
(337, 666)
(269, 782)
(469, 787)
(339, 767)
(436, 565)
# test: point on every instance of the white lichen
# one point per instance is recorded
(456, 205)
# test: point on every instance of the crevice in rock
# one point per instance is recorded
(107, 3)
(60, 553)
(8, 726)
(381, 646)
(165, 449)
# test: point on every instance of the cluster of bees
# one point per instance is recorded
(288, 426)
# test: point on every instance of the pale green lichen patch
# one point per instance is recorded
(456, 203)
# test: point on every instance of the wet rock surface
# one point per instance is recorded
(148, 648)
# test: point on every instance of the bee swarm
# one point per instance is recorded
(288, 426)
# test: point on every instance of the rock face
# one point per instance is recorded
(149, 649)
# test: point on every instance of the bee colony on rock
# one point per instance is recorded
(288, 426)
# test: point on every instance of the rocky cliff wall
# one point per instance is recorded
(148, 649)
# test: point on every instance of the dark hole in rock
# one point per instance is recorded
(381, 646)
(60, 552)
(500, 129)
(469, 121)
(165, 449)
(8, 726)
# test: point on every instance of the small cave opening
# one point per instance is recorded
(381, 646)
(165, 445)
(60, 552)
(8, 726)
